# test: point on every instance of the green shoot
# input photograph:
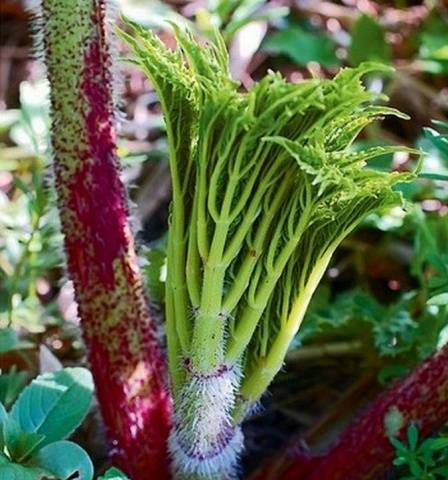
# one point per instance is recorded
(265, 188)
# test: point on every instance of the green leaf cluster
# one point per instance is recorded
(426, 460)
(389, 328)
(265, 187)
(31, 244)
(32, 434)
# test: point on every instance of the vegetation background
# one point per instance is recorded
(383, 305)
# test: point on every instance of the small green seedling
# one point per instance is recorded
(427, 460)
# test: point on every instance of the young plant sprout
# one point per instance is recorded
(265, 188)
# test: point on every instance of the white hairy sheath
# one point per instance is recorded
(204, 443)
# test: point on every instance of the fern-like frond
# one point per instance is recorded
(265, 187)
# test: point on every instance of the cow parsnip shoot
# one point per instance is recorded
(265, 188)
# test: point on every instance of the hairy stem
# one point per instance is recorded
(364, 451)
(121, 337)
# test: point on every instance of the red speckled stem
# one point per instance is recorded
(363, 451)
(125, 357)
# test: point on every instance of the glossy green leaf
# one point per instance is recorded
(65, 460)
(20, 444)
(12, 471)
(54, 404)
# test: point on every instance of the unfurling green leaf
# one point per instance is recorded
(265, 187)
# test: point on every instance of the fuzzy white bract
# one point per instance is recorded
(204, 442)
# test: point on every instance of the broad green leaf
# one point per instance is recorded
(434, 44)
(20, 444)
(13, 471)
(302, 47)
(368, 42)
(113, 474)
(65, 460)
(54, 404)
(265, 15)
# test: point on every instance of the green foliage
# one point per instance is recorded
(113, 474)
(232, 15)
(302, 46)
(155, 272)
(265, 186)
(434, 44)
(389, 328)
(30, 244)
(368, 42)
(64, 459)
(439, 140)
(64, 398)
(405, 330)
(11, 384)
(426, 460)
(9, 340)
(47, 411)
(430, 261)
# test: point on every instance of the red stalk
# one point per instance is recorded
(126, 359)
(364, 451)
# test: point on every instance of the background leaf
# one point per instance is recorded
(368, 42)
(20, 444)
(11, 384)
(12, 471)
(302, 46)
(54, 404)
